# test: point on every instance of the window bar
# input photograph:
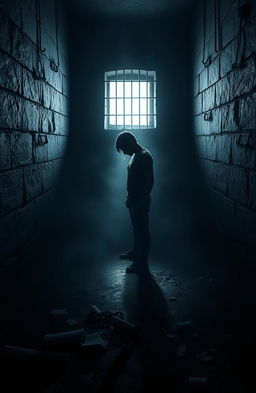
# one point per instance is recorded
(147, 97)
(123, 99)
(116, 97)
(131, 99)
(139, 99)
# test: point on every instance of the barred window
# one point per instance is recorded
(130, 100)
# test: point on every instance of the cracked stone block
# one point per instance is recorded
(21, 149)
(250, 31)
(11, 190)
(5, 149)
(48, 175)
(32, 181)
(52, 77)
(11, 111)
(10, 74)
(8, 234)
(65, 86)
(61, 124)
(26, 223)
(237, 185)
(57, 101)
(208, 100)
(31, 116)
(31, 87)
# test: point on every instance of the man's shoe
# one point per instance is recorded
(129, 256)
(133, 268)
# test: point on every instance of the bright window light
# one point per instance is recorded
(130, 100)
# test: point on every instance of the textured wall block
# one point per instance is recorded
(22, 48)
(47, 93)
(10, 74)
(213, 71)
(203, 80)
(31, 116)
(244, 79)
(227, 58)
(65, 85)
(21, 149)
(198, 124)
(53, 147)
(4, 33)
(26, 223)
(230, 117)
(252, 190)
(5, 150)
(242, 154)
(61, 124)
(208, 100)
(57, 101)
(198, 104)
(247, 112)
(223, 147)
(250, 31)
(47, 121)
(220, 177)
(40, 148)
(32, 181)
(11, 190)
(31, 87)
(8, 234)
(28, 19)
(11, 111)
(52, 77)
(223, 91)
(48, 175)
(237, 185)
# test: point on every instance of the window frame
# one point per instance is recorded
(130, 75)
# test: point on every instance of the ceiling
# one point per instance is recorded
(132, 7)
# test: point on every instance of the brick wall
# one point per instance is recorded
(225, 113)
(33, 114)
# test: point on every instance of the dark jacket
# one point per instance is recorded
(140, 178)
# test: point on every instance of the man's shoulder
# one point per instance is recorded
(146, 155)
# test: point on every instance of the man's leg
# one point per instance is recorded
(131, 255)
(141, 241)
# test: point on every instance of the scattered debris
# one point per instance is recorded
(68, 337)
(93, 340)
(181, 350)
(198, 382)
(183, 325)
(35, 353)
(205, 357)
(116, 319)
(59, 311)
(173, 299)
(72, 322)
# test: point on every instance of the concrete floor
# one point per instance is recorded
(193, 282)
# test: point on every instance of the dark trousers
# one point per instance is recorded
(141, 234)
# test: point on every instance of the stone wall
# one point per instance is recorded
(225, 113)
(33, 115)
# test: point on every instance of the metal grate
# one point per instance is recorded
(130, 100)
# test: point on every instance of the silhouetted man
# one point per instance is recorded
(140, 181)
